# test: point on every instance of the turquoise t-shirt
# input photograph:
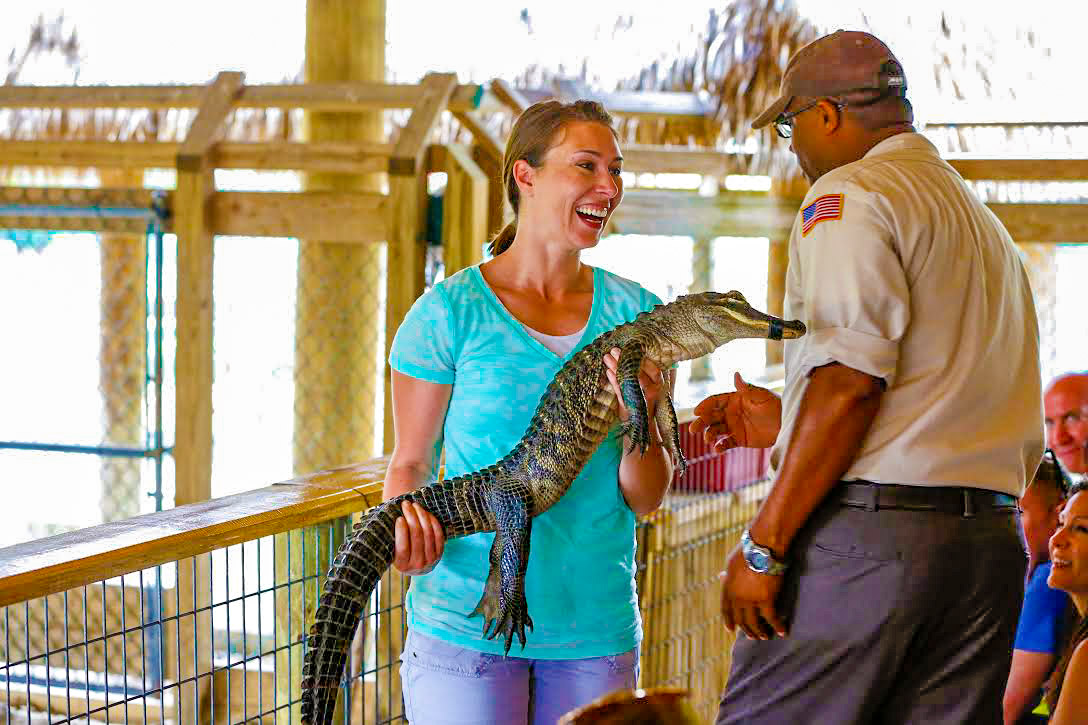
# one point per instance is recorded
(580, 585)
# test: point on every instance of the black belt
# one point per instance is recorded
(946, 499)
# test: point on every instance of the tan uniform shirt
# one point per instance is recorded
(908, 277)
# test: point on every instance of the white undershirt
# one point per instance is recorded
(559, 344)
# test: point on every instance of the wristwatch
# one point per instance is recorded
(759, 558)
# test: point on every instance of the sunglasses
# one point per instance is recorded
(783, 125)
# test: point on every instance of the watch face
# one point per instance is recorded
(758, 560)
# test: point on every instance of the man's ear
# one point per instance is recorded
(830, 116)
(525, 176)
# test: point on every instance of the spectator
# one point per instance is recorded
(1067, 692)
(1044, 615)
(1066, 408)
(911, 422)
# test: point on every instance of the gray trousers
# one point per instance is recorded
(893, 616)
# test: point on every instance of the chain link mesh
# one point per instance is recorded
(340, 324)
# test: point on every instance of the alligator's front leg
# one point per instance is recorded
(503, 604)
(637, 425)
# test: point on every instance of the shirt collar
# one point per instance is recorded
(907, 141)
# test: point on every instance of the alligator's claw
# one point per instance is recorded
(638, 432)
(506, 615)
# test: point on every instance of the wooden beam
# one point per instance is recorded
(321, 156)
(675, 160)
(346, 97)
(509, 96)
(1020, 169)
(1062, 223)
(487, 141)
(335, 157)
(331, 216)
(217, 103)
(636, 104)
(411, 145)
(89, 154)
(741, 214)
(124, 211)
(464, 211)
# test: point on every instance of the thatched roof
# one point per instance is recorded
(733, 59)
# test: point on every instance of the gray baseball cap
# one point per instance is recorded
(845, 61)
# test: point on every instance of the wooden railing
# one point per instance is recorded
(187, 649)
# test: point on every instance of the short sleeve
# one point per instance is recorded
(424, 343)
(648, 300)
(855, 291)
(1042, 616)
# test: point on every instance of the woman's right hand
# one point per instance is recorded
(418, 540)
(749, 418)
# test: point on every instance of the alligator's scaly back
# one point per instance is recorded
(573, 416)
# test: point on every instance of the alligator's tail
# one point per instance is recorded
(358, 566)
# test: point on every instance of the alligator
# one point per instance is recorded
(574, 416)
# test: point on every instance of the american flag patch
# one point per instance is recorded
(827, 208)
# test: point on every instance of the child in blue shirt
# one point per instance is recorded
(1044, 615)
(470, 363)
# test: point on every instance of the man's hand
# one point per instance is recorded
(418, 540)
(748, 599)
(749, 418)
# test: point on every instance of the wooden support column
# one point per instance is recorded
(338, 324)
(487, 152)
(702, 280)
(787, 195)
(195, 187)
(193, 425)
(777, 265)
(122, 356)
(464, 211)
(406, 251)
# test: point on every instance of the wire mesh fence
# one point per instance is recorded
(221, 636)
(218, 637)
(85, 393)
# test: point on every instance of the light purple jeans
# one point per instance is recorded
(448, 685)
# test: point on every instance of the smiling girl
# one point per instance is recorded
(470, 362)
(1068, 687)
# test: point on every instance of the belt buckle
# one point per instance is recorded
(872, 503)
(968, 504)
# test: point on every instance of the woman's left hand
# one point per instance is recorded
(649, 377)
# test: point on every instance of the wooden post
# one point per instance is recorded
(702, 279)
(464, 212)
(195, 187)
(406, 252)
(122, 356)
(337, 320)
(487, 152)
(338, 327)
(193, 425)
(787, 193)
(777, 263)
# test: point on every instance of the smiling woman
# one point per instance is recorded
(1068, 687)
(470, 362)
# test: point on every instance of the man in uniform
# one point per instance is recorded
(1066, 407)
(882, 577)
